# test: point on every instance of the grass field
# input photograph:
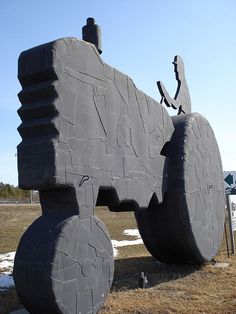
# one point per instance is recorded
(171, 289)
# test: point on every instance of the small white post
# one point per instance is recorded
(228, 203)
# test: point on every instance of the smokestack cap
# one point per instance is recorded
(91, 33)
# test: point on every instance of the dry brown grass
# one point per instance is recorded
(172, 288)
(14, 220)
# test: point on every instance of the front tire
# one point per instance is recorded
(64, 267)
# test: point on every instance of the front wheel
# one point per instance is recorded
(64, 267)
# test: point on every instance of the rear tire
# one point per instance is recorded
(188, 226)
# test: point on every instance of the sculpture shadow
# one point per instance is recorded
(127, 272)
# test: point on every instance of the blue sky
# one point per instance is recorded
(140, 38)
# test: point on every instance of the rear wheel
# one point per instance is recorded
(188, 226)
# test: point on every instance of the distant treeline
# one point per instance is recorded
(10, 192)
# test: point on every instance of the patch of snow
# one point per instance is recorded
(8, 256)
(115, 251)
(220, 265)
(132, 232)
(117, 243)
(6, 281)
(6, 268)
(7, 261)
(6, 264)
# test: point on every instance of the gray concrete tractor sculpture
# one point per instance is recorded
(90, 137)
